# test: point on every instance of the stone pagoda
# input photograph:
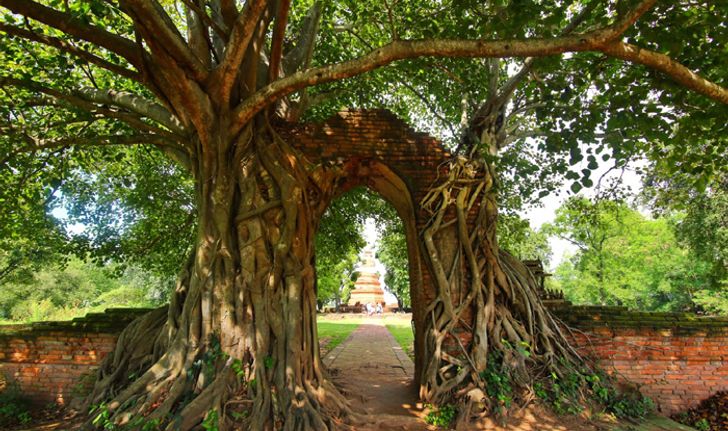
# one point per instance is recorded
(367, 289)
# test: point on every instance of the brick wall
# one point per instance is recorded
(52, 361)
(677, 359)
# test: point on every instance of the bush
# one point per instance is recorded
(567, 394)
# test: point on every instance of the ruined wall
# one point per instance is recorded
(677, 359)
(376, 149)
(357, 139)
(53, 361)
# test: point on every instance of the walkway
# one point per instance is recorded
(377, 376)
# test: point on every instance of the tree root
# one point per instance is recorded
(487, 293)
(237, 348)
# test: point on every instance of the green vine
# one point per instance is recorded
(442, 416)
(498, 383)
(211, 421)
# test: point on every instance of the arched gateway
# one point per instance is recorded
(471, 303)
(374, 148)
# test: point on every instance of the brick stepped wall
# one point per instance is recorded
(677, 359)
(50, 361)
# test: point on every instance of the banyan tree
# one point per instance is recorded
(225, 89)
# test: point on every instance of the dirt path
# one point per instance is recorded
(378, 378)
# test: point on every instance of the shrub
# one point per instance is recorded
(567, 394)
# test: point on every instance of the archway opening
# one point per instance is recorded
(367, 255)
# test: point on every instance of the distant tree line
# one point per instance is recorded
(677, 261)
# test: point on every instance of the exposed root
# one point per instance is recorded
(486, 293)
(238, 347)
(133, 355)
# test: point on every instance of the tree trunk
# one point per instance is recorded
(239, 345)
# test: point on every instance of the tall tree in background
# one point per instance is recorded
(339, 240)
(626, 259)
(392, 253)
(516, 236)
(590, 226)
(203, 82)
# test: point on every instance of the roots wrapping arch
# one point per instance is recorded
(483, 292)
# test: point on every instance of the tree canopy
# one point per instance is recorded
(82, 85)
(84, 74)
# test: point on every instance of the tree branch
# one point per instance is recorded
(198, 36)
(134, 103)
(182, 95)
(206, 18)
(600, 40)
(279, 31)
(168, 147)
(97, 112)
(164, 34)
(300, 55)
(395, 35)
(400, 50)
(77, 28)
(513, 137)
(229, 12)
(67, 47)
(430, 107)
(240, 36)
(95, 141)
(85, 98)
(510, 86)
(631, 17)
(669, 67)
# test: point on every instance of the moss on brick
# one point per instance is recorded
(111, 321)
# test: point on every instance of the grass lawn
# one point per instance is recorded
(401, 329)
(332, 331)
(334, 328)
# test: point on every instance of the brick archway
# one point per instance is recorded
(378, 150)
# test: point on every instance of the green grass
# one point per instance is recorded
(335, 331)
(402, 332)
